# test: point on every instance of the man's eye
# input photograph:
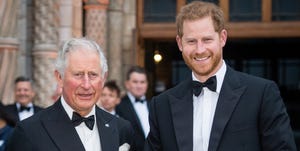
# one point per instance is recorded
(93, 75)
(207, 40)
(191, 41)
(78, 75)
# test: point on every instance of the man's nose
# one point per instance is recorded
(86, 82)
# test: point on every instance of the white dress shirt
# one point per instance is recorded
(25, 114)
(142, 112)
(113, 112)
(89, 138)
(204, 111)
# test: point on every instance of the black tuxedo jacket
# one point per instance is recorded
(12, 110)
(250, 116)
(52, 130)
(126, 110)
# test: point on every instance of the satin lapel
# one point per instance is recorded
(61, 129)
(229, 96)
(16, 113)
(134, 115)
(108, 130)
(181, 102)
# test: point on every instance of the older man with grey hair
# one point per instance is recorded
(74, 122)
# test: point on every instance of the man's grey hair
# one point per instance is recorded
(75, 44)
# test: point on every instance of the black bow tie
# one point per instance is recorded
(139, 100)
(89, 121)
(211, 84)
(24, 108)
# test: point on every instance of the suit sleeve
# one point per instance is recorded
(152, 142)
(126, 133)
(275, 126)
(19, 141)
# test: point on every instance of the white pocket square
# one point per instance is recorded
(124, 147)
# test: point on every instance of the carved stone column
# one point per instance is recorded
(9, 46)
(129, 37)
(70, 19)
(95, 21)
(77, 18)
(8, 56)
(115, 37)
(66, 20)
(45, 49)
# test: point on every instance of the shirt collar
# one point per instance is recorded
(113, 112)
(132, 98)
(28, 105)
(220, 74)
(70, 111)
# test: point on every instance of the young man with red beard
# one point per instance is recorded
(216, 108)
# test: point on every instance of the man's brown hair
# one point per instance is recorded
(197, 10)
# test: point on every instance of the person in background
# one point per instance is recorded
(110, 97)
(74, 122)
(134, 106)
(216, 108)
(7, 125)
(24, 95)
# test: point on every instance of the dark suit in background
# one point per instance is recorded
(134, 106)
(126, 110)
(24, 93)
(52, 130)
(14, 111)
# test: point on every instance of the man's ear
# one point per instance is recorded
(118, 101)
(58, 78)
(179, 42)
(223, 37)
(33, 93)
(106, 75)
(126, 84)
(104, 79)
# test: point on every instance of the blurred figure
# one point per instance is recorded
(134, 106)
(24, 94)
(7, 125)
(110, 97)
(74, 122)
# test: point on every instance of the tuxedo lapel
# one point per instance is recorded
(181, 101)
(108, 132)
(133, 114)
(16, 113)
(36, 109)
(229, 96)
(61, 129)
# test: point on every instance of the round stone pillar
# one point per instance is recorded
(8, 56)
(95, 21)
(9, 46)
(115, 37)
(45, 49)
